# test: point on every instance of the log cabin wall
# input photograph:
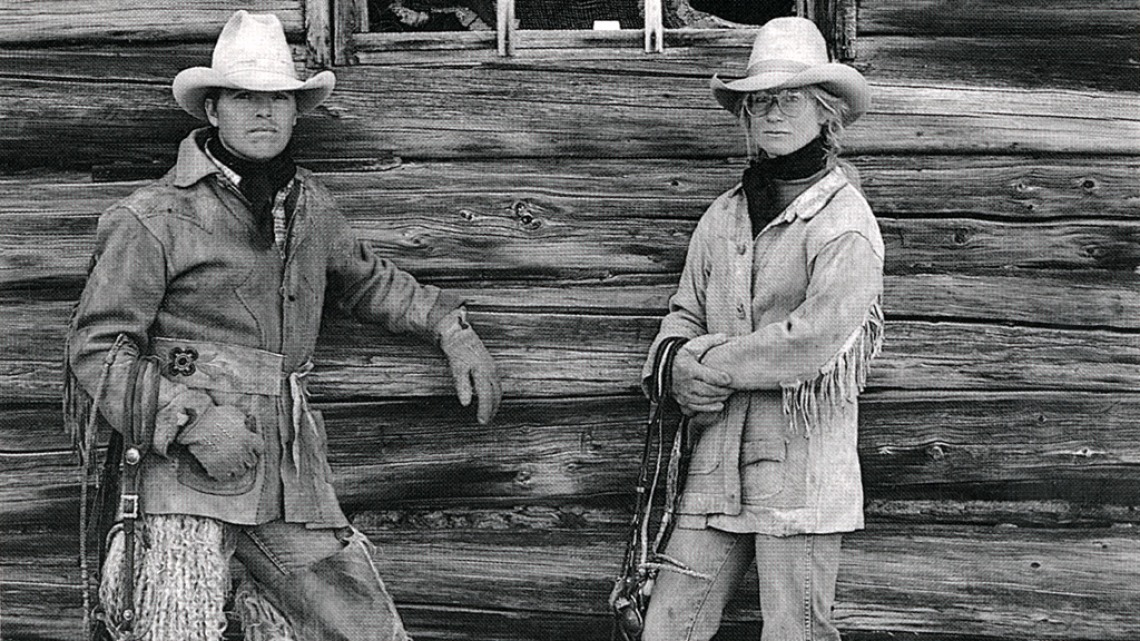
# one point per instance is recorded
(557, 189)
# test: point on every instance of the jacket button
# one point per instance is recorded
(132, 456)
(741, 248)
(740, 311)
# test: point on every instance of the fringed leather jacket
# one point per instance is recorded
(177, 280)
(800, 304)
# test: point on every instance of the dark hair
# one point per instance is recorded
(213, 93)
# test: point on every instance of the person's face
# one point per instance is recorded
(254, 125)
(783, 121)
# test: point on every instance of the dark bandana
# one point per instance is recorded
(260, 182)
(759, 188)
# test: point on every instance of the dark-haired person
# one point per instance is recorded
(193, 337)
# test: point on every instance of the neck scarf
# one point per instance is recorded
(260, 181)
(761, 174)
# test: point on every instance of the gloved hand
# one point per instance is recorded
(471, 365)
(220, 440)
(698, 388)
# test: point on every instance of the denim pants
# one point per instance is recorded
(797, 585)
(324, 581)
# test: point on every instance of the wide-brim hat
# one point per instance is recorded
(791, 52)
(251, 54)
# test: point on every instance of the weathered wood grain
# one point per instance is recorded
(1096, 61)
(551, 220)
(1101, 61)
(536, 237)
(952, 457)
(553, 354)
(504, 112)
(46, 21)
(993, 17)
(991, 582)
(1007, 187)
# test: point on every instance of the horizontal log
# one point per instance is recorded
(51, 21)
(1099, 61)
(991, 582)
(965, 456)
(550, 355)
(535, 237)
(1019, 188)
(503, 112)
(993, 17)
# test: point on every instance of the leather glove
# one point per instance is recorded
(471, 365)
(698, 388)
(220, 440)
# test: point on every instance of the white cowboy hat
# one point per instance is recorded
(251, 54)
(790, 52)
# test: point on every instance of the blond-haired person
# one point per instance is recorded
(775, 320)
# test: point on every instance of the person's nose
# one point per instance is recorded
(263, 106)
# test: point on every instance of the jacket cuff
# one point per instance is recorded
(447, 305)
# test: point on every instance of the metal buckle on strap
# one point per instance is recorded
(129, 506)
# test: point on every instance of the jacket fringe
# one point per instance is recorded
(810, 402)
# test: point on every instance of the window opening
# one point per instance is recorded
(366, 28)
(721, 14)
(403, 16)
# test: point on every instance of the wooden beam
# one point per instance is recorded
(516, 112)
(538, 566)
(994, 17)
(110, 21)
(505, 26)
(319, 33)
(345, 24)
(654, 26)
(955, 456)
(493, 238)
(556, 354)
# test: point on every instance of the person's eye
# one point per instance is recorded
(281, 95)
(241, 95)
(793, 98)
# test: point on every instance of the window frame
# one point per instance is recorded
(335, 37)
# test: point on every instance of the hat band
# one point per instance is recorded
(769, 66)
(272, 66)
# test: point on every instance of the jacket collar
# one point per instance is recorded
(193, 164)
(807, 204)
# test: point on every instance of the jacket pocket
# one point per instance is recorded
(194, 476)
(762, 468)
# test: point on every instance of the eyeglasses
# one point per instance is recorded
(792, 103)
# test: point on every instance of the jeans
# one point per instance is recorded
(324, 581)
(797, 577)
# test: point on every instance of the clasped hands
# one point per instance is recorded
(696, 387)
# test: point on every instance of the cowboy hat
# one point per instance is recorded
(251, 54)
(790, 52)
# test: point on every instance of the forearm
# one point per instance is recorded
(841, 299)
